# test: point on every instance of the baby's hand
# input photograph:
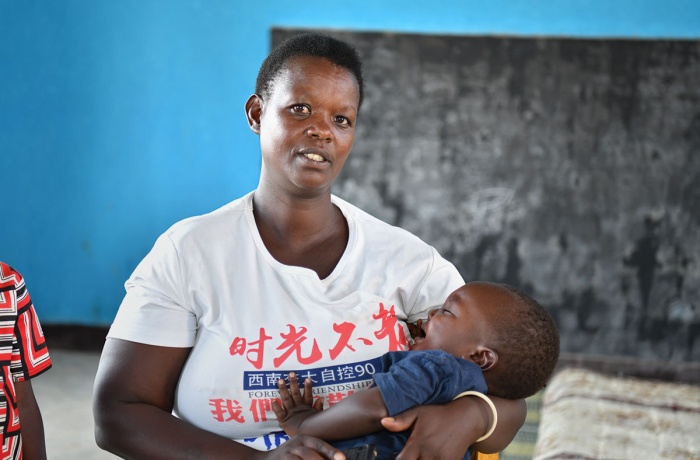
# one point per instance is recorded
(416, 329)
(296, 407)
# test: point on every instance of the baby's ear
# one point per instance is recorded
(485, 358)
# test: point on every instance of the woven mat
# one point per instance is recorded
(586, 415)
(523, 446)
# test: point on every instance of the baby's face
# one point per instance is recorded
(461, 324)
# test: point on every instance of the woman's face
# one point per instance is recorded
(307, 125)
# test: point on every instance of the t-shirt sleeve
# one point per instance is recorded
(425, 377)
(441, 280)
(154, 310)
(30, 355)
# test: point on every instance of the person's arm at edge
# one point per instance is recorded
(31, 422)
(132, 403)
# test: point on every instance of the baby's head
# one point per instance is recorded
(507, 333)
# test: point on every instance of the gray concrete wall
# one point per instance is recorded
(570, 168)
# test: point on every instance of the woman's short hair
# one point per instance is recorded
(309, 44)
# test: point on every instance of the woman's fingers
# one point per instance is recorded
(400, 422)
(306, 448)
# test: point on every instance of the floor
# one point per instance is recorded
(64, 394)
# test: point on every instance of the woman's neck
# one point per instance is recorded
(293, 218)
(308, 232)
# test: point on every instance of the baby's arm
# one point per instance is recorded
(356, 415)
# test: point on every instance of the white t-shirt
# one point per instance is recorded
(210, 283)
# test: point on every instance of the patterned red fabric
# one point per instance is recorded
(23, 354)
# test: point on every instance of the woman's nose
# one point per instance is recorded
(320, 129)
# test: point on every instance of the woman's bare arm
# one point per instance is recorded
(133, 399)
(446, 431)
(511, 416)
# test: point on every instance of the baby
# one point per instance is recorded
(486, 337)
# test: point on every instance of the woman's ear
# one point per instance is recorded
(253, 111)
(485, 358)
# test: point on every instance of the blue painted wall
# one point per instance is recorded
(118, 118)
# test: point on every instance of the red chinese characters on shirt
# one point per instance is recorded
(295, 337)
(345, 331)
(292, 344)
(389, 329)
(225, 410)
(295, 342)
(254, 353)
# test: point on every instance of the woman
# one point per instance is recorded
(286, 278)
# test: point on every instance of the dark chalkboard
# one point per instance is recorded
(570, 168)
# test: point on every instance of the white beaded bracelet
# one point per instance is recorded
(490, 403)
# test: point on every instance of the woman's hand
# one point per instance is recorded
(302, 447)
(445, 432)
(439, 432)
